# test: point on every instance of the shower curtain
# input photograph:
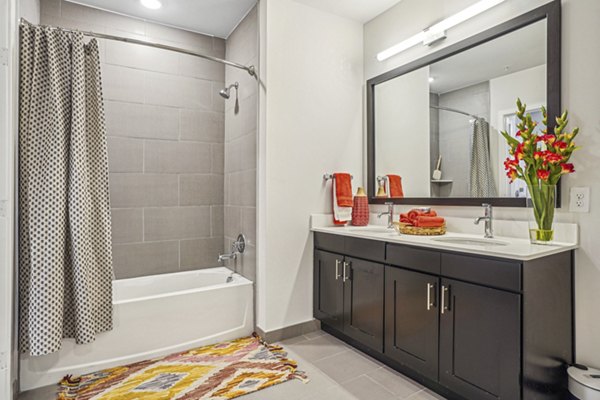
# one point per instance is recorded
(65, 259)
(482, 179)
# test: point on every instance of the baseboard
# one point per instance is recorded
(291, 331)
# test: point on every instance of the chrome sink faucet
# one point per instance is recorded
(489, 220)
(389, 213)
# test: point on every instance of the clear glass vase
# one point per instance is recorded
(541, 202)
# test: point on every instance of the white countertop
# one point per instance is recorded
(513, 248)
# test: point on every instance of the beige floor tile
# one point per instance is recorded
(395, 382)
(346, 366)
(365, 388)
(319, 348)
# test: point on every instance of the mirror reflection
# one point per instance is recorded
(437, 127)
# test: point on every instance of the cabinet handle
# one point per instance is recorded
(444, 293)
(345, 277)
(337, 269)
(430, 303)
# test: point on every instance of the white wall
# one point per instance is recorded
(530, 84)
(402, 119)
(30, 10)
(313, 77)
(580, 88)
(8, 46)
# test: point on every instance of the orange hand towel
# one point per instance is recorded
(404, 218)
(395, 186)
(414, 213)
(423, 221)
(342, 198)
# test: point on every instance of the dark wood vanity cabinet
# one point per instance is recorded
(412, 319)
(480, 341)
(349, 296)
(467, 326)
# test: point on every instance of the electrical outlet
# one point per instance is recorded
(579, 199)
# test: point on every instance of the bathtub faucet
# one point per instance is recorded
(237, 247)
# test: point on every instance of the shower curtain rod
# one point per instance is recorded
(455, 110)
(250, 69)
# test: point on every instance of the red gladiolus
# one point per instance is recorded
(567, 168)
(552, 158)
(512, 175)
(549, 139)
(510, 164)
(543, 174)
(560, 145)
(538, 154)
(518, 133)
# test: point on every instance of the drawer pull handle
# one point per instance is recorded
(345, 277)
(337, 269)
(444, 303)
(430, 302)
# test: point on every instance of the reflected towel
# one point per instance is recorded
(342, 198)
(394, 186)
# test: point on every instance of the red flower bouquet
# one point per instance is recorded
(540, 160)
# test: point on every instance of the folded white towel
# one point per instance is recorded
(342, 214)
(388, 191)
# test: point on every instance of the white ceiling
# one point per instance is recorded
(212, 17)
(358, 10)
(516, 51)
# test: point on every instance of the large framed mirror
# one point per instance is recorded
(435, 122)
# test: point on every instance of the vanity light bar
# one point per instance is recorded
(438, 30)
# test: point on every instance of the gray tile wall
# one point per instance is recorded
(456, 133)
(165, 124)
(240, 144)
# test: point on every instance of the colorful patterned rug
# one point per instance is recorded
(221, 371)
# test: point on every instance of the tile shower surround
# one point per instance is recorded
(240, 144)
(166, 132)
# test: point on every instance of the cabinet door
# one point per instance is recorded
(412, 320)
(328, 289)
(363, 302)
(480, 341)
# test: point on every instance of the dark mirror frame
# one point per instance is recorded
(551, 12)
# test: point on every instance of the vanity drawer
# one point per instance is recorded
(325, 241)
(496, 273)
(365, 248)
(413, 258)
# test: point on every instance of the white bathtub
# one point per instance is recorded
(154, 316)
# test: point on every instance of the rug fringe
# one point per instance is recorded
(279, 352)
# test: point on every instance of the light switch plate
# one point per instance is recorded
(579, 199)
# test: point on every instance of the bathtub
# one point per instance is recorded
(154, 316)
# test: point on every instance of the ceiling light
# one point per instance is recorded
(431, 79)
(151, 4)
(437, 32)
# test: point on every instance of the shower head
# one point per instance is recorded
(226, 92)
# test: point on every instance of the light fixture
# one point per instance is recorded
(438, 31)
(431, 79)
(151, 4)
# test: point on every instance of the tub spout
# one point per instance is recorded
(228, 256)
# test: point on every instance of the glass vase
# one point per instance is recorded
(541, 202)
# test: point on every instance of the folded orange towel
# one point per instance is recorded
(342, 198)
(395, 182)
(404, 218)
(429, 222)
(414, 213)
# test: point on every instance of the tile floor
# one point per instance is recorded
(336, 371)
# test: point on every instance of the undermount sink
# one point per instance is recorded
(471, 241)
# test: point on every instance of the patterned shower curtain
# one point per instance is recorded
(65, 259)
(482, 178)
